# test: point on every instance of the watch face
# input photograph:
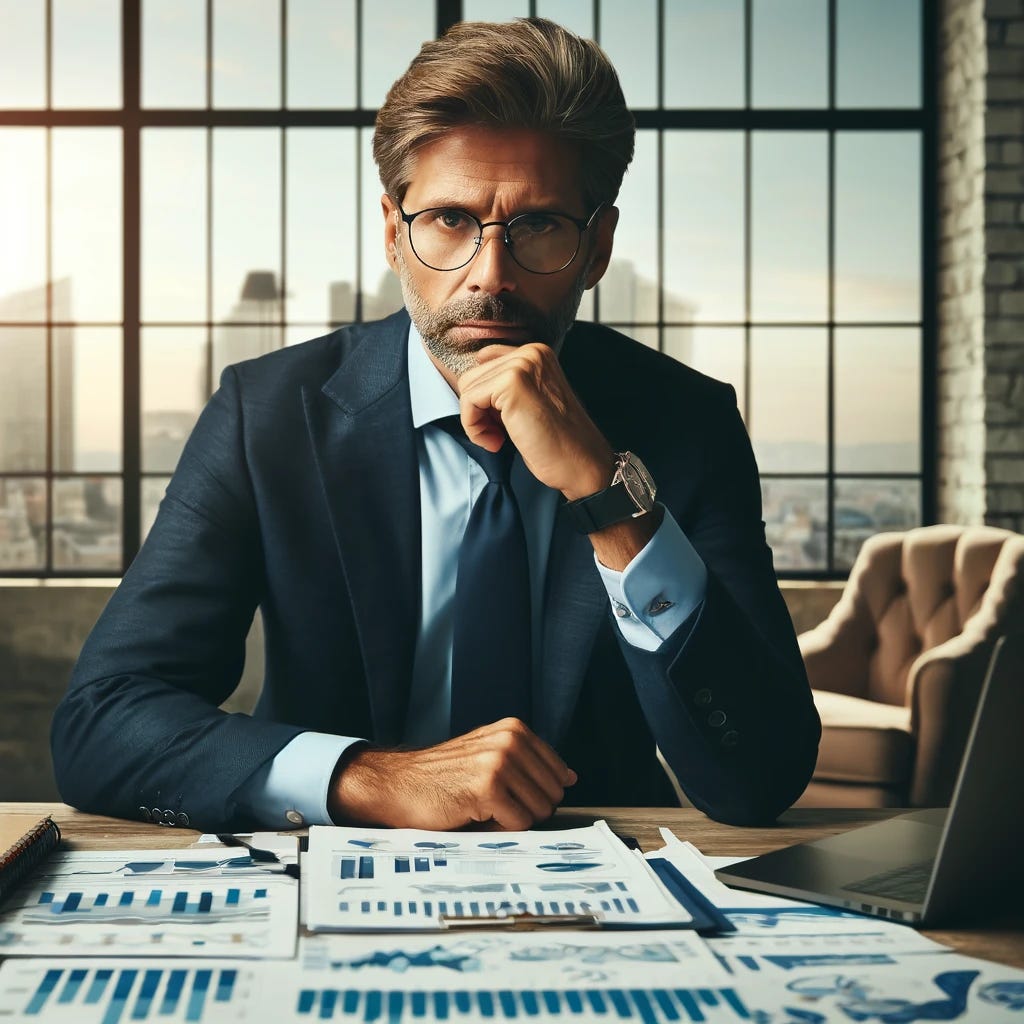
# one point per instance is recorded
(637, 481)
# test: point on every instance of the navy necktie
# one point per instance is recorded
(491, 649)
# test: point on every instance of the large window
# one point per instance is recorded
(188, 183)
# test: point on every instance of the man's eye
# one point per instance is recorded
(536, 224)
(452, 220)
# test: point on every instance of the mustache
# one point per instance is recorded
(504, 310)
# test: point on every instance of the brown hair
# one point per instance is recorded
(529, 73)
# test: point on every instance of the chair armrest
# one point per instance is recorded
(836, 652)
(942, 691)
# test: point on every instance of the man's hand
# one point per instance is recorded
(501, 772)
(521, 392)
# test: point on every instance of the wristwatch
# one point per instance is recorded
(630, 494)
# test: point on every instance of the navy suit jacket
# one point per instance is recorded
(298, 492)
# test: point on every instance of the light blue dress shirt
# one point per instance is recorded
(653, 596)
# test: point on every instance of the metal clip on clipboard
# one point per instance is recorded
(525, 922)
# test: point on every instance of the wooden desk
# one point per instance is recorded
(1002, 942)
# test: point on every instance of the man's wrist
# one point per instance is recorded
(350, 795)
(595, 477)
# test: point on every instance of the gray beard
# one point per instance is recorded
(434, 325)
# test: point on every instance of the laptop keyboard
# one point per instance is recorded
(909, 882)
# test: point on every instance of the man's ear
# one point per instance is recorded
(391, 222)
(604, 233)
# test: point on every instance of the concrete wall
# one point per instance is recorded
(42, 627)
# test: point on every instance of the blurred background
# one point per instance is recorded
(826, 210)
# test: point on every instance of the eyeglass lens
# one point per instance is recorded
(447, 239)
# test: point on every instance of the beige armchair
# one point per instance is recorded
(897, 667)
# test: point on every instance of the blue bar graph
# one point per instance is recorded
(134, 994)
(646, 1006)
(366, 867)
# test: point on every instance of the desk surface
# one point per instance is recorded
(1002, 942)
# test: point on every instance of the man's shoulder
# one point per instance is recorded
(596, 356)
(311, 363)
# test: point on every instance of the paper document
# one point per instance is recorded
(411, 880)
(152, 902)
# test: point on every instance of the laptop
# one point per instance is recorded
(931, 866)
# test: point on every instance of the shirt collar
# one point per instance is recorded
(430, 394)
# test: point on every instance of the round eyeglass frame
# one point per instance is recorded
(581, 226)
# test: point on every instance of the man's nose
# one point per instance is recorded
(492, 270)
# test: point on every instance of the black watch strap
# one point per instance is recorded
(596, 511)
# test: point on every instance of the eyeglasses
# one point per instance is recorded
(447, 238)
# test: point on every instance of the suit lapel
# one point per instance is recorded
(574, 606)
(575, 602)
(360, 425)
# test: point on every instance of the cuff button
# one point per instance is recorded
(730, 738)
(702, 698)
(144, 814)
(716, 719)
(295, 817)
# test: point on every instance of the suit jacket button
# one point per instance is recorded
(716, 719)
(144, 813)
(702, 698)
(730, 738)
(183, 819)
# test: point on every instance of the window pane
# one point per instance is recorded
(629, 35)
(87, 215)
(878, 58)
(246, 53)
(382, 292)
(645, 335)
(153, 488)
(87, 523)
(492, 10)
(246, 224)
(87, 402)
(174, 53)
(703, 49)
(866, 507)
(235, 344)
(174, 390)
(788, 390)
(575, 15)
(629, 288)
(22, 399)
(297, 334)
(796, 522)
(789, 226)
(716, 351)
(878, 226)
(174, 224)
(704, 226)
(86, 53)
(790, 55)
(878, 400)
(321, 53)
(586, 308)
(321, 260)
(392, 36)
(22, 524)
(22, 54)
(23, 220)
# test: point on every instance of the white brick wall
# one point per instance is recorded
(981, 263)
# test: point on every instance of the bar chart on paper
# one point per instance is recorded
(169, 915)
(648, 1006)
(112, 991)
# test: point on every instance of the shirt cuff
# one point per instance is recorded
(659, 590)
(290, 790)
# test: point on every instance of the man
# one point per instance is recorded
(474, 608)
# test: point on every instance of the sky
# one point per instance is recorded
(877, 176)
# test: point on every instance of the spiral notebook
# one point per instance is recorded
(24, 841)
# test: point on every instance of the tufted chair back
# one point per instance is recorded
(897, 666)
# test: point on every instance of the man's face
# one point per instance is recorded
(494, 175)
